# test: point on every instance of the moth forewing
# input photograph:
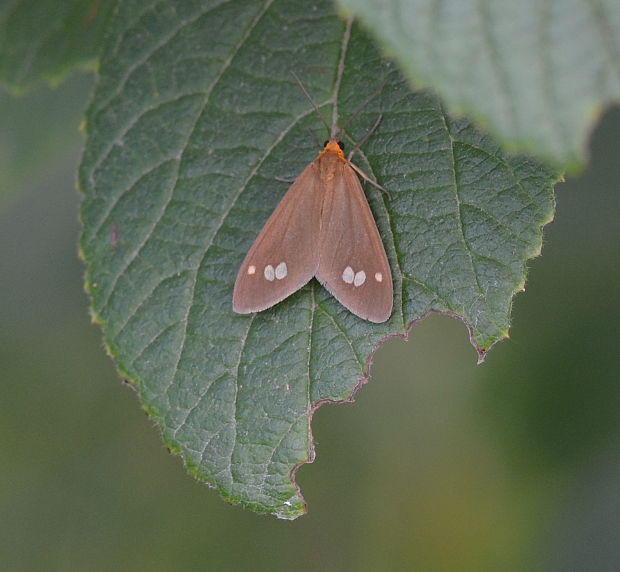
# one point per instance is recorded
(284, 256)
(353, 265)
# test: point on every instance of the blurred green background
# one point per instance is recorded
(439, 465)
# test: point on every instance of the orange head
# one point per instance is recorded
(333, 146)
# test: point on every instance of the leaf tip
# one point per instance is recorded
(482, 354)
(291, 508)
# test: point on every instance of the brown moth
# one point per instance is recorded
(322, 228)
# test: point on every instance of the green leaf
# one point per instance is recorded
(195, 116)
(537, 74)
(47, 39)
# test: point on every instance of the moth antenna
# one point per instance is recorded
(364, 105)
(314, 105)
(365, 138)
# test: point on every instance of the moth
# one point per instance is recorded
(322, 228)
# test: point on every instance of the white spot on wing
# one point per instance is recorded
(348, 275)
(360, 278)
(251, 269)
(379, 277)
(281, 270)
(269, 273)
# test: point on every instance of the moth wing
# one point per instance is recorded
(353, 265)
(284, 256)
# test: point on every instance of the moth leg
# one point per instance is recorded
(371, 181)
